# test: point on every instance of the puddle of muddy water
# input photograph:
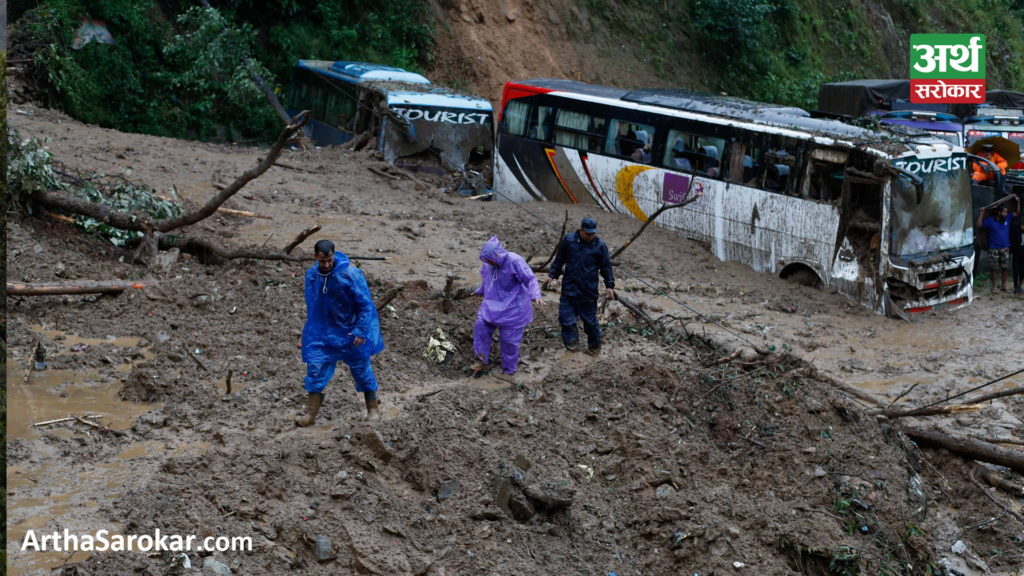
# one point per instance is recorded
(52, 493)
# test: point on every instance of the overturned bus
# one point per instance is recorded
(883, 218)
(415, 124)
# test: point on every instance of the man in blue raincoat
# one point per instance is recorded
(508, 288)
(581, 256)
(341, 325)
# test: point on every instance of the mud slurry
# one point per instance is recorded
(648, 459)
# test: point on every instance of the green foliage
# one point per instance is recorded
(29, 170)
(846, 562)
(3, 278)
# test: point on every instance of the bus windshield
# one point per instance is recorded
(942, 220)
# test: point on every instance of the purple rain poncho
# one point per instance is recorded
(508, 290)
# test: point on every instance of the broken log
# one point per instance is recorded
(243, 213)
(967, 447)
(636, 311)
(227, 382)
(993, 478)
(59, 217)
(141, 223)
(301, 238)
(932, 411)
(76, 287)
(380, 172)
(729, 358)
(388, 297)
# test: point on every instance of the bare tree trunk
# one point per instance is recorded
(968, 447)
(274, 102)
(76, 287)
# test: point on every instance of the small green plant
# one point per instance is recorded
(846, 562)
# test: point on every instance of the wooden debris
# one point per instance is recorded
(301, 238)
(380, 172)
(967, 447)
(192, 356)
(243, 213)
(447, 305)
(994, 395)
(76, 287)
(227, 382)
(388, 297)
(100, 427)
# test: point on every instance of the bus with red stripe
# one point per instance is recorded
(884, 218)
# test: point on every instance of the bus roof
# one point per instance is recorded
(360, 72)
(794, 121)
(444, 99)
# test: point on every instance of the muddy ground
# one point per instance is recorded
(649, 459)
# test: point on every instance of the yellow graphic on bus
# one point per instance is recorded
(624, 188)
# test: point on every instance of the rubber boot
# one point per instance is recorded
(372, 410)
(313, 408)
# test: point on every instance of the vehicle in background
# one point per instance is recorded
(415, 124)
(888, 101)
(1007, 123)
(884, 219)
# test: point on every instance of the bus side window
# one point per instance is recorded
(825, 173)
(579, 130)
(516, 112)
(693, 153)
(629, 140)
(540, 123)
(781, 164)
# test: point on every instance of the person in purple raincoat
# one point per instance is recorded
(508, 288)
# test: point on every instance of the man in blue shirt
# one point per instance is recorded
(341, 325)
(998, 228)
(582, 256)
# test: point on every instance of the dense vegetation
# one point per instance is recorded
(174, 68)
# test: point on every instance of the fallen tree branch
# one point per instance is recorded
(76, 287)
(301, 238)
(658, 212)
(993, 478)
(905, 392)
(994, 395)
(206, 244)
(289, 166)
(933, 411)
(636, 311)
(192, 356)
(100, 427)
(561, 238)
(993, 498)
(388, 297)
(815, 374)
(141, 223)
(967, 447)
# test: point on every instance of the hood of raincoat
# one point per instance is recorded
(339, 308)
(493, 251)
(507, 288)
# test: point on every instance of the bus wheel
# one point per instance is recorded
(801, 274)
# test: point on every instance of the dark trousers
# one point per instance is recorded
(585, 309)
(1018, 270)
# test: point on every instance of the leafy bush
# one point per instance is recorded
(176, 70)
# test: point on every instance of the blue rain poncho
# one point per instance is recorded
(507, 288)
(338, 309)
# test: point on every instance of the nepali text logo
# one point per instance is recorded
(947, 68)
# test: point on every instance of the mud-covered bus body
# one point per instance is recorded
(403, 111)
(885, 223)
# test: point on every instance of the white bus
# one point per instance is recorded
(884, 218)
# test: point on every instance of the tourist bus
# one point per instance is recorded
(403, 111)
(884, 219)
(996, 122)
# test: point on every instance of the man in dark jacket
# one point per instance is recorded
(582, 255)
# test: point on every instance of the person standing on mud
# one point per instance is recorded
(998, 228)
(583, 256)
(341, 325)
(508, 288)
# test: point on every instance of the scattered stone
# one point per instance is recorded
(483, 532)
(550, 495)
(659, 477)
(489, 513)
(819, 471)
(212, 566)
(448, 489)
(322, 549)
(378, 446)
(523, 462)
(734, 531)
(664, 491)
(153, 419)
(164, 261)
(520, 507)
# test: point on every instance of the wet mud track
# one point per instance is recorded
(673, 463)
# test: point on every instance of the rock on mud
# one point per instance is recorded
(211, 566)
(322, 549)
(378, 446)
(448, 489)
(550, 495)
